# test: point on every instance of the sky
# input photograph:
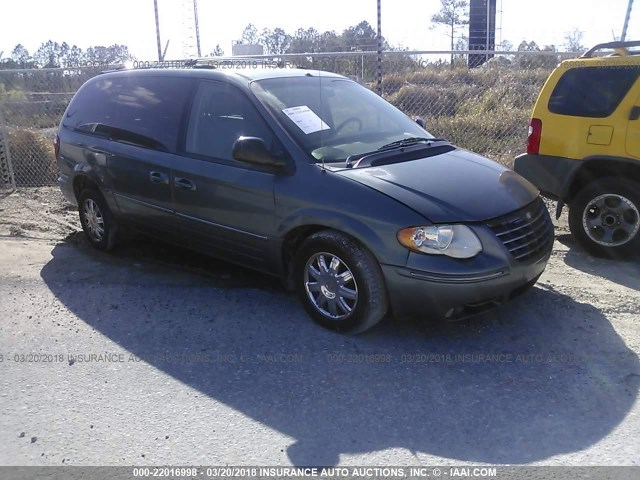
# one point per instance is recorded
(404, 22)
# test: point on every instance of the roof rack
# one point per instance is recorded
(200, 63)
(621, 48)
(116, 68)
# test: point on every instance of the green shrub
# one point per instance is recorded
(485, 110)
(500, 137)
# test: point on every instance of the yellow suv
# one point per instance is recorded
(583, 148)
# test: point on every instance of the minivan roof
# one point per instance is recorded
(242, 75)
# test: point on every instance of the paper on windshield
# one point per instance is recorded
(306, 119)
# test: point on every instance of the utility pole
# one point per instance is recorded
(626, 21)
(195, 16)
(155, 7)
(379, 48)
(487, 46)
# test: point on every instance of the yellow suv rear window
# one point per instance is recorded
(592, 92)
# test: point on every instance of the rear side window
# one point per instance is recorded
(141, 110)
(592, 91)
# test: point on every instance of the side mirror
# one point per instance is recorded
(253, 150)
(420, 122)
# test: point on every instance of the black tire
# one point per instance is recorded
(370, 304)
(101, 233)
(604, 202)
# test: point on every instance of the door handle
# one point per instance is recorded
(635, 113)
(184, 183)
(159, 177)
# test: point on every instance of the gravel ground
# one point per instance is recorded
(153, 355)
(37, 213)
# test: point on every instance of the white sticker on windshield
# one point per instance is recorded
(306, 119)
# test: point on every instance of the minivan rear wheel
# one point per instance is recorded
(604, 217)
(96, 219)
(339, 282)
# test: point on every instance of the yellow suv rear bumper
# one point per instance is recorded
(551, 175)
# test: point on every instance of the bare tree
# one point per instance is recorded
(275, 41)
(573, 41)
(73, 57)
(109, 55)
(544, 60)
(505, 46)
(250, 35)
(305, 40)
(217, 52)
(50, 53)
(453, 14)
(20, 54)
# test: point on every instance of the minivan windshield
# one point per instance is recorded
(334, 118)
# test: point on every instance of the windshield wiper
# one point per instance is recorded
(409, 141)
(354, 160)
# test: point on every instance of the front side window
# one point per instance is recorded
(140, 109)
(592, 92)
(219, 116)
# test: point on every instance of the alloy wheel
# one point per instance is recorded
(611, 220)
(93, 219)
(330, 285)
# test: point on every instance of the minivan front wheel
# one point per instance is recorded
(604, 217)
(339, 282)
(96, 219)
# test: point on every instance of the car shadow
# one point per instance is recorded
(625, 272)
(542, 376)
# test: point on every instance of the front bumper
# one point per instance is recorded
(442, 287)
(414, 293)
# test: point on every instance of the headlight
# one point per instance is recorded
(457, 241)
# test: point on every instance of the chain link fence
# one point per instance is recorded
(32, 103)
(484, 109)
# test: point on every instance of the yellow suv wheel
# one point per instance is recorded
(604, 217)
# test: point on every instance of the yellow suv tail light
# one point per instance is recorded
(535, 134)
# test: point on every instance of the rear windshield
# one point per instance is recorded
(592, 91)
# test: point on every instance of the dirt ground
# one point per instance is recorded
(550, 379)
(37, 213)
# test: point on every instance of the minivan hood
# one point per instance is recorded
(457, 186)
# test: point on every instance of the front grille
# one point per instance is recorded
(527, 233)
